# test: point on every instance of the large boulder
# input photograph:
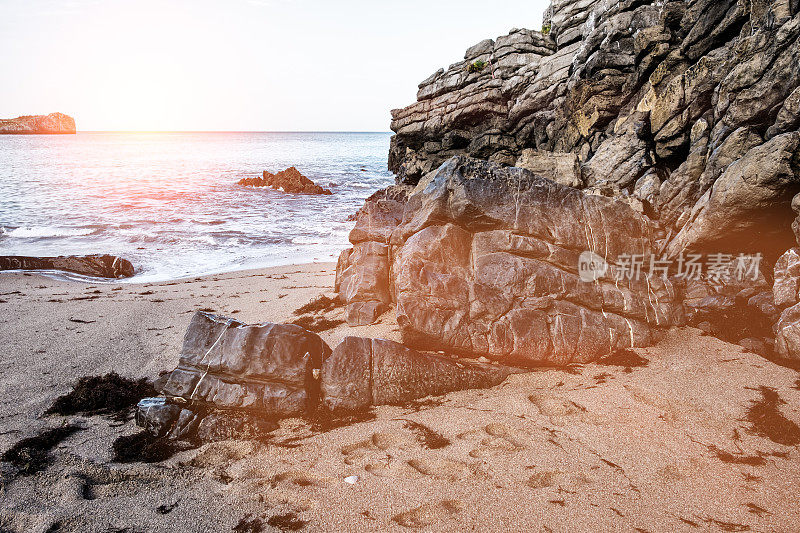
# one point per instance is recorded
(787, 334)
(268, 368)
(100, 266)
(563, 168)
(486, 262)
(786, 288)
(749, 206)
(364, 372)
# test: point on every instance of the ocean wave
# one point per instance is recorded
(308, 240)
(44, 232)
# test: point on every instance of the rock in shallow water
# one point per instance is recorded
(290, 180)
(100, 266)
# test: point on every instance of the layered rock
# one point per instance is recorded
(692, 108)
(289, 180)
(365, 372)
(234, 380)
(485, 261)
(52, 123)
(101, 266)
(273, 364)
(689, 112)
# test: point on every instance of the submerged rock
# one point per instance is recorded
(290, 180)
(52, 123)
(101, 266)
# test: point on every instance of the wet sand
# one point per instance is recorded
(672, 445)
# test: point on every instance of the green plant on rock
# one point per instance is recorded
(476, 66)
(546, 29)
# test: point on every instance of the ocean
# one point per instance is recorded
(169, 202)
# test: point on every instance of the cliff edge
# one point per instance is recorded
(566, 193)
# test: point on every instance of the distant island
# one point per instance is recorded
(30, 124)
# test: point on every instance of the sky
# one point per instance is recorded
(236, 65)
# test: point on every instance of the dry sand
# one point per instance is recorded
(663, 447)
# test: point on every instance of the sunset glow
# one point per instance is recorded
(258, 65)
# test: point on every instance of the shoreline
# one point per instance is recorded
(61, 275)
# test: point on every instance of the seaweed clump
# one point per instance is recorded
(767, 421)
(316, 324)
(321, 304)
(32, 455)
(110, 393)
(625, 358)
(146, 448)
(287, 522)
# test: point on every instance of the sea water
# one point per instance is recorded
(170, 203)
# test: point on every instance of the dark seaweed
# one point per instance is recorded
(767, 421)
(102, 394)
(321, 304)
(287, 522)
(32, 455)
(145, 447)
(429, 438)
(624, 358)
(316, 324)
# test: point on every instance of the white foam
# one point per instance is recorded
(34, 232)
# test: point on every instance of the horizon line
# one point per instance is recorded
(232, 131)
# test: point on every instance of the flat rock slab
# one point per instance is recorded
(99, 266)
(364, 372)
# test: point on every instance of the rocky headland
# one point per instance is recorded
(29, 124)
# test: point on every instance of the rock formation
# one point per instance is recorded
(482, 259)
(663, 129)
(691, 107)
(365, 372)
(52, 123)
(100, 266)
(235, 379)
(290, 180)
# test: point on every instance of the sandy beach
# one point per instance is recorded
(668, 444)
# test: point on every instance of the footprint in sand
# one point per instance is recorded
(428, 514)
(550, 478)
(376, 445)
(544, 479)
(378, 455)
(98, 482)
(494, 439)
(391, 468)
(221, 453)
(446, 469)
(556, 406)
